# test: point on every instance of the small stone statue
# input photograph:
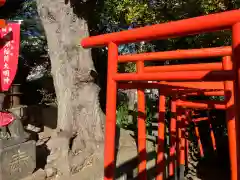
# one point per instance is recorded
(11, 128)
(3, 130)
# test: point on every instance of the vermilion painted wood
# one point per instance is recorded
(200, 119)
(142, 152)
(230, 119)
(161, 138)
(176, 76)
(2, 23)
(205, 101)
(196, 120)
(173, 136)
(210, 93)
(178, 54)
(220, 21)
(184, 27)
(188, 118)
(110, 125)
(187, 67)
(212, 134)
(167, 90)
(195, 85)
(181, 141)
(181, 86)
(236, 67)
(201, 105)
(199, 140)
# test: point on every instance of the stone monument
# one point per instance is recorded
(17, 150)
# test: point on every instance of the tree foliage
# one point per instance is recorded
(127, 14)
(114, 15)
(33, 47)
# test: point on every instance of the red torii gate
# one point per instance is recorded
(230, 74)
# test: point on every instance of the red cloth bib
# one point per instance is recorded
(6, 118)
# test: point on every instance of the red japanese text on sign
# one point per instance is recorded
(9, 54)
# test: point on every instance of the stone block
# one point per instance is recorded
(17, 161)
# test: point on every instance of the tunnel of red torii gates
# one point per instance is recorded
(177, 82)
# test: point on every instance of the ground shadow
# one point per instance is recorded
(42, 153)
(215, 163)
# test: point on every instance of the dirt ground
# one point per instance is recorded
(205, 169)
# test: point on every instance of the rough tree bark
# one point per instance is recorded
(80, 120)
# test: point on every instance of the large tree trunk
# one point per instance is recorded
(80, 119)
